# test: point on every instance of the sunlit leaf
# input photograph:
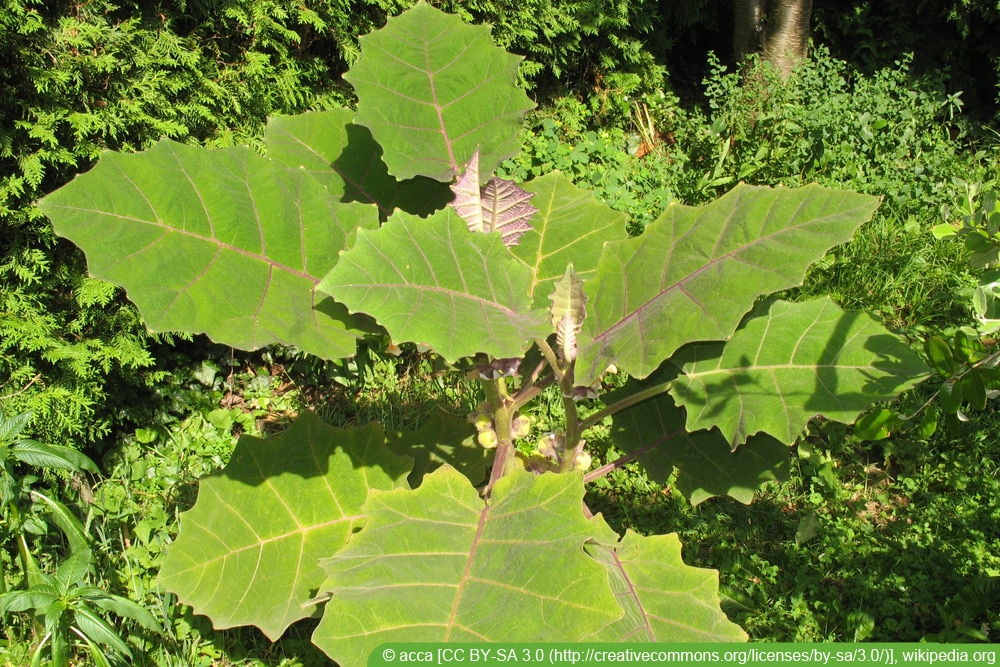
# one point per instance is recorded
(433, 90)
(499, 206)
(570, 226)
(433, 282)
(695, 271)
(440, 564)
(664, 600)
(568, 312)
(788, 363)
(344, 157)
(247, 551)
(225, 243)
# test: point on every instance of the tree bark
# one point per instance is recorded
(748, 28)
(777, 29)
(786, 41)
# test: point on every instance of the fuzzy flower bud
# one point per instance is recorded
(488, 439)
(520, 427)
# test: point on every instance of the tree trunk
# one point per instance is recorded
(786, 41)
(778, 29)
(748, 28)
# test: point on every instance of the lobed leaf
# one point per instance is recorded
(663, 599)
(570, 226)
(248, 551)
(508, 209)
(345, 158)
(694, 272)
(499, 206)
(790, 362)
(441, 564)
(433, 90)
(225, 243)
(431, 281)
(568, 311)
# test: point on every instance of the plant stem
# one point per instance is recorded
(573, 431)
(550, 356)
(627, 402)
(528, 392)
(502, 408)
(631, 456)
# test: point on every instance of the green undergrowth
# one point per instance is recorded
(891, 134)
(889, 541)
(883, 542)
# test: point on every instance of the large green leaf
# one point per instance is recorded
(664, 600)
(345, 158)
(432, 281)
(440, 564)
(655, 429)
(790, 362)
(432, 89)
(225, 243)
(570, 226)
(694, 272)
(248, 550)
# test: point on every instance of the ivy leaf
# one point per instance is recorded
(790, 362)
(433, 282)
(706, 464)
(248, 551)
(664, 600)
(694, 272)
(440, 564)
(221, 242)
(570, 226)
(345, 158)
(499, 206)
(433, 89)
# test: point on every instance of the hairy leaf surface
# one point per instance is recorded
(499, 206)
(225, 243)
(694, 272)
(431, 281)
(433, 89)
(790, 362)
(568, 311)
(570, 226)
(248, 551)
(664, 600)
(345, 158)
(439, 564)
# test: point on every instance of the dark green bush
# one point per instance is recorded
(77, 79)
(954, 39)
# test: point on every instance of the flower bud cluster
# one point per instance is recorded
(550, 454)
(486, 434)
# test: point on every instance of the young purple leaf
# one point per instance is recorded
(507, 208)
(500, 205)
(468, 201)
(568, 311)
